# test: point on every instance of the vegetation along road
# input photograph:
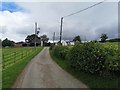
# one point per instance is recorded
(43, 72)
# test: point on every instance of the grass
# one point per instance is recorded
(13, 55)
(114, 45)
(92, 81)
(0, 68)
(10, 74)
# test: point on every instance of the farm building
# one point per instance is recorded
(18, 44)
(69, 43)
(64, 43)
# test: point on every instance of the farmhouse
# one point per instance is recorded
(64, 43)
(68, 43)
(37, 40)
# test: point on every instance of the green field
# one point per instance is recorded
(91, 80)
(113, 45)
(14, 61)
(13, 55)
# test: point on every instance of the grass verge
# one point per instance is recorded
(92, 81)
(10, 74)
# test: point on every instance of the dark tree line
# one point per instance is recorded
(103, 38)
(7, 42)
(30, 39)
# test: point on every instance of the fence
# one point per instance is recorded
(16, 56)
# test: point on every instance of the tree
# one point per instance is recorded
(29, 38)
(44, 38)
(103, 37)
(7, 42)
(77, 38)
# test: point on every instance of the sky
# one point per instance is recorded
(17, 20)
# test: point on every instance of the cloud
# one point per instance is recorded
(10, 6)
(14, 25)
(88, 24)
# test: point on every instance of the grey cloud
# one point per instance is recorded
(3, 29)
(111, 31)
(25, 30)
(89, 24)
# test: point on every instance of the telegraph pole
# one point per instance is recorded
(53, 37)
(35, 32)
(77, 13)
(61, 29)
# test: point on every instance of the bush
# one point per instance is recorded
(51, 46)
(60, 51)
(112, 62)
(89, 57)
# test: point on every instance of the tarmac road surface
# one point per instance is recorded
(43, 72)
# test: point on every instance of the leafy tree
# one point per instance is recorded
(103, 37)
(77, 38)
(29, 38)
(7, 42)
(44, 38)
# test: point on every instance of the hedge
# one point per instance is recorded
(92, 58)
(61, 51)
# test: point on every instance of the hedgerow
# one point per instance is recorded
(60, 51)
(112, 63)
(92, 58)
(89, 57)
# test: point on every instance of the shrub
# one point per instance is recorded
(51, 46)
(95, 58)
(89, 57)
(112, 62)
(60, 51)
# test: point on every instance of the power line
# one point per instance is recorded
(76, 13)
(84, 9)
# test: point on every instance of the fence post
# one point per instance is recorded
(26, 52)
(29, 52)
(3, 65)
(22, 55)
(35, 50)
(14, 56)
